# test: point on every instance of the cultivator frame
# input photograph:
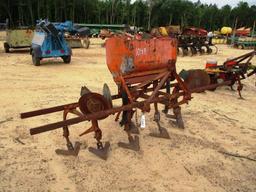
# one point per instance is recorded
(138, 91)
(101, 106)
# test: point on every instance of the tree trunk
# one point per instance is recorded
(38, 9)
(30, 7)
(149, 18)
(56, 10)
(73, 10)
(8, 11)
(170, 19)
(112, 11)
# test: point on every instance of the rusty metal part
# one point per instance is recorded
(102, 153)
(47, 110)
(154, 80)
(162, 132)
(134, 143)
(107, 94)
(93, 102)
(252, 72)
(100, 114)
(70, 152)
(195, 78)
(233, 70)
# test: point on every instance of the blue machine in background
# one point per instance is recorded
(48, 41)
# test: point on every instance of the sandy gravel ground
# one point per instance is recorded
(189, 161)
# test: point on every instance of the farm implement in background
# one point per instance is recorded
(145, 74)
(191, 41)
(49, 42)
(18, 38)
(233, 71)
(244, 42)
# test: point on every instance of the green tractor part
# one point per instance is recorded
(245, 43)
(18, 38)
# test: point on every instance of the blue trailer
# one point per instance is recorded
(49, 41)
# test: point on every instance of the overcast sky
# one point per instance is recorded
(221, 3)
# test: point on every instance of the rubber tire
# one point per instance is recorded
(66, 59)
(35, 60)
(6, 48)
(240, 46)
(86, 43)
(193, 50)
(209, 51)
(185, 51)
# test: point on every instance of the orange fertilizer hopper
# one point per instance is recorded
(136, 60)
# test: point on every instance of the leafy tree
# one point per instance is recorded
(142, 13)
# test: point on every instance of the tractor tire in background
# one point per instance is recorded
(184, 51)
(6, 48)
(66, 59)
(85, 43)
(35, 59)
(193, 50)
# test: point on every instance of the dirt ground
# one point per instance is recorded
(191, 160)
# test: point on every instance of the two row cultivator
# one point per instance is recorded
(145, 74)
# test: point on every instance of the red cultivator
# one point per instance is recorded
(232, 71)
(145, 74)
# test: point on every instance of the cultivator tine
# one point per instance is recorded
(72, 151)
(176, 118)
(179, 122)
(162, 132)
(102, 153)
(134, 144)
(134, 129)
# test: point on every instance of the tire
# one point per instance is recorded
(6, 48)
(209, 50)
(190, 53)
(193, 50)
(240, 46)
(184, 51)
(86, 43)
(66, 59)
(35, 60)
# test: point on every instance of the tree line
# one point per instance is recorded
(141, 13)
